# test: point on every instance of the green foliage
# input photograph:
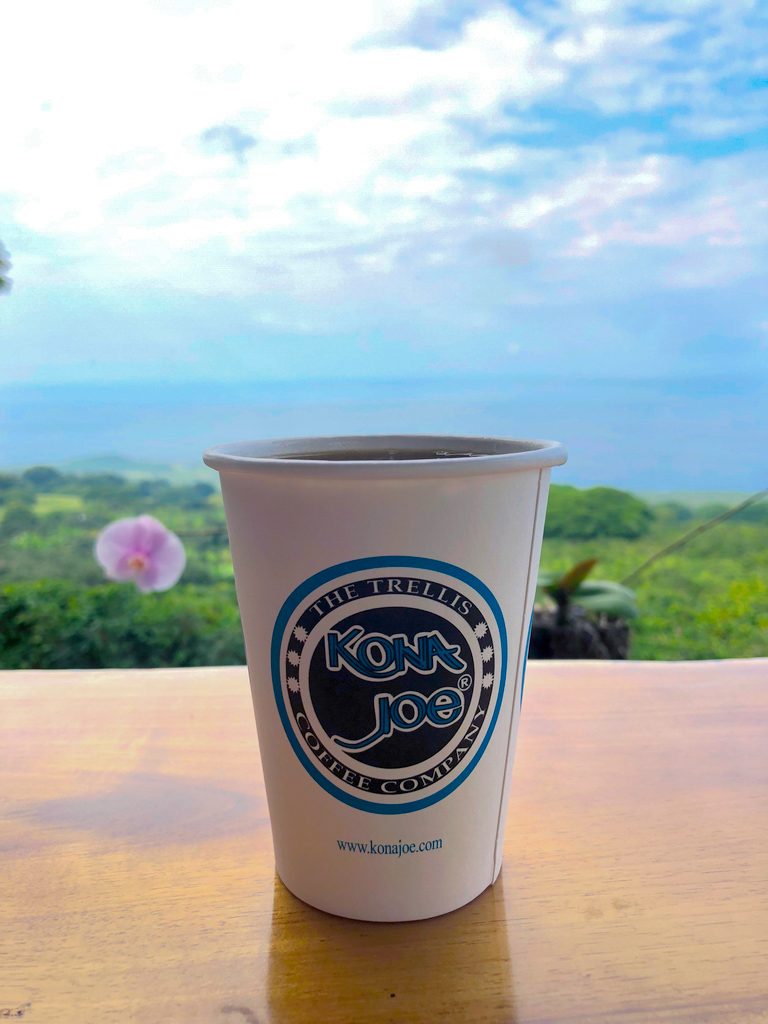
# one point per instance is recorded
(105, 487)
(713, 509)
(597, 512)
(604, 597)
(17, 518)
(707, 600)
(600, 597)
(45, 504)
(60, 553)
(58, 624)
(43, 478)
(57, 610)
(757, 513)
(672, 512)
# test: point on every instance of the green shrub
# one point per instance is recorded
(43, 478)
(672, 512)
(57, 624)
(708, 600)
(757, 513)
(17, 518)
(595, 513)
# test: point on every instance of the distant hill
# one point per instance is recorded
(179, 473)
(693, 499)
(118, 464)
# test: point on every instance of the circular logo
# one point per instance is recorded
(388, 675)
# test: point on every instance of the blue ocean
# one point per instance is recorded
(648, 435)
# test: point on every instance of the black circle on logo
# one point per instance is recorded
(345, 704)
(390, 695)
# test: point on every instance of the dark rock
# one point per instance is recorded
(577, 635)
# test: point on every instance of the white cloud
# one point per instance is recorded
(703, 125)
(297, 149)
(601, 187)
(108, 145)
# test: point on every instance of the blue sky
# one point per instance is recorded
(225, 190)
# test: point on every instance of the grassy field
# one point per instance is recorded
(45, 504)
(707, 600)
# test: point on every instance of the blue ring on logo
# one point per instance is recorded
(380, 562)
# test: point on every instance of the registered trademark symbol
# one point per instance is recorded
(465, 682)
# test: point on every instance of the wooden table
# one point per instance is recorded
(137, 879)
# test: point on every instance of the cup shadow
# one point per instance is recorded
(328, 968)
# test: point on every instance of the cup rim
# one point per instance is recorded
(483, 454)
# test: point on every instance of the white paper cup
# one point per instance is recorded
(386, 606)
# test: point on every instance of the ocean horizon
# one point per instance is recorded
(661, 434)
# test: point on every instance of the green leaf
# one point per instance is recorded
(591, 587)
(571, 579)
(603, 597)
(608, 604)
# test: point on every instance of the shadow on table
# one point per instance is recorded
(327, 968)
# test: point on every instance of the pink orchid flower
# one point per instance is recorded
(142, 550)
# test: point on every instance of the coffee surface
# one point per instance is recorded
(381, 455)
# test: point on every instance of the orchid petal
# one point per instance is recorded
(165, 566)
(115, 542)
(151, 534)
(143, 539)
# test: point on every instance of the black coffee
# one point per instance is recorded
(380, 455)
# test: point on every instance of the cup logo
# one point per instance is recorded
(388, 675)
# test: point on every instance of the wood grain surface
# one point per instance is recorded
(137, 880)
